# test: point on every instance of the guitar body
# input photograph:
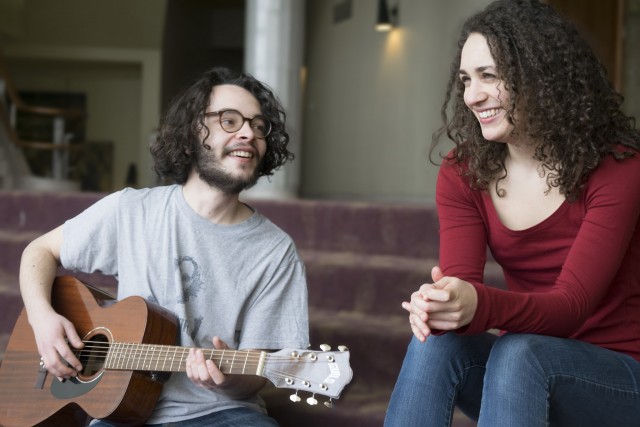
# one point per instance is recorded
(31, 396)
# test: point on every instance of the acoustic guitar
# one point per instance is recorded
(128, 353)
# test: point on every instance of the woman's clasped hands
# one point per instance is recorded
(446, 304)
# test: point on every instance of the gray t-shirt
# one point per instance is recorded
(244, 282)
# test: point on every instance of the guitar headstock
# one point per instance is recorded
(319, 372)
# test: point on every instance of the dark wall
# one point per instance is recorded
(200, 34)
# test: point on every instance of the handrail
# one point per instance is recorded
(59, 145)
(20, 105)
(13, 136)
(50, 111)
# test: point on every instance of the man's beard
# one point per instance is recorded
(209, 170)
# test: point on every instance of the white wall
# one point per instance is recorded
(373, 99)
(113, 101)
(109, 50)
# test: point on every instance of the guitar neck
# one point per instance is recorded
(164, 358)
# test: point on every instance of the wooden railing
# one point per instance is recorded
(11, 103)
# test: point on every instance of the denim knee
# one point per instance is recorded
(517, 354)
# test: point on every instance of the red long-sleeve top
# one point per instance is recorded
(576, 274)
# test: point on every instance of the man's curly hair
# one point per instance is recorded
(180, 131)
(558, 89)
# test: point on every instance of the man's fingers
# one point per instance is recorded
(69, 358)
(218, 344)
(202, 370)
(197, 368)
(57, 365)
(72, 336)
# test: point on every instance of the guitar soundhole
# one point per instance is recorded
(93, 356)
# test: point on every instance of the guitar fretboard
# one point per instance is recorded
(161, 358)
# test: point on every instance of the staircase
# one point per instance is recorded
(362, 261)
(15, 173)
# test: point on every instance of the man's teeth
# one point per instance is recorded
(241, 154)
(488, 113)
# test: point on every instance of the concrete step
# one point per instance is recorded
(369, 283)
(41, 211)
(366, 283)
(377, 344)
(408, 230)
(12, 243)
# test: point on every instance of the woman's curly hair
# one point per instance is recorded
(559, 90)
(180, 131)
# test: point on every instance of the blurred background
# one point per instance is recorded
(362, 104)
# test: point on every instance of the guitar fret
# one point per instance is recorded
(118, 364)
(173, 358)
(156, 352)
(121, 356)
(161, 353)
(221, 363)
(129, 359)
(146, 358)
(140, 357)
(125, 357)
(114, 358)
(183, 359)
(107, 359)
(134, 357)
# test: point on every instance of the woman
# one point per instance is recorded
(545, 173)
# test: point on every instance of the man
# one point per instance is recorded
(192, 247)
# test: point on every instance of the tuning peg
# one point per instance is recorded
(312, 400)
(325, 347)
(343, 348)
(295, 398)
(329, 403)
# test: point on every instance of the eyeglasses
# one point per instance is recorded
(232, 121)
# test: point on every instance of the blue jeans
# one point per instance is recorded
(518, 380)
(235, 417)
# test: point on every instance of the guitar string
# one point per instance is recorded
(271, 371)
(159, 355)
(275, 372)
(268, 370)
(282, 374)
(139, 349)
